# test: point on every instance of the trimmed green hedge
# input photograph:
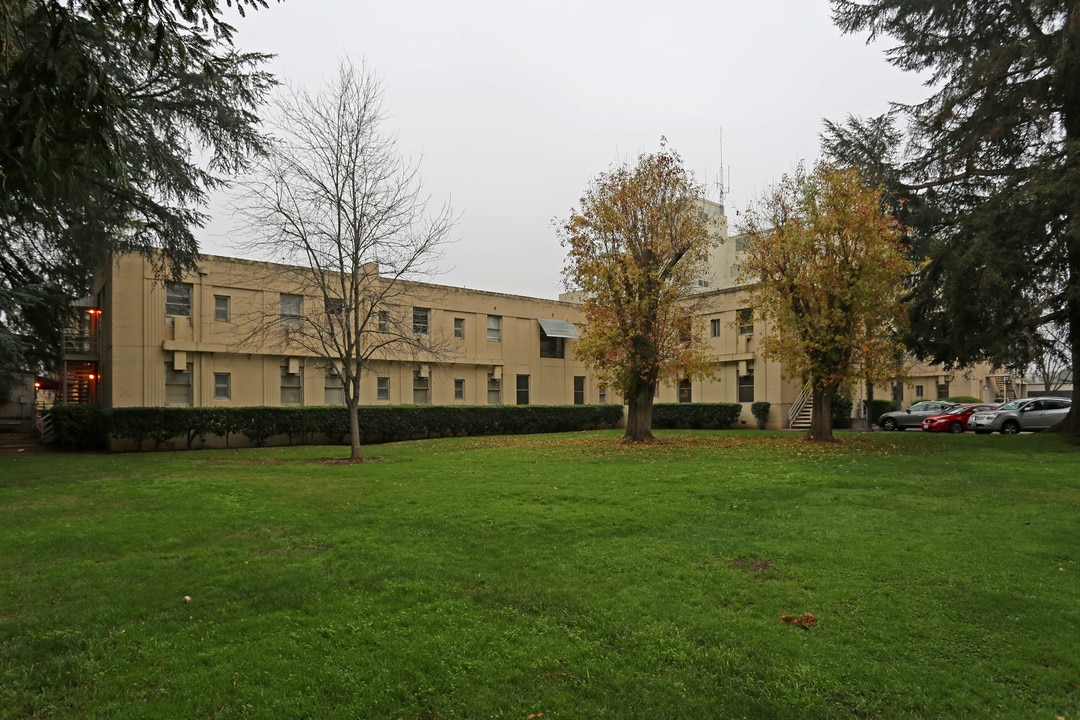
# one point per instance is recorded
(87, 427)
(695, 415)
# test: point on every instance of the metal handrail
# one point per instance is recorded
(800, 402)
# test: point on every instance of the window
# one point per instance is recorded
(291, 306)
(459, 389)
(292, 388)
(494, 391)
(741, 244)
(494, 328)
(918, 391)
(746, 388)
(603, 394)
(552, 347)
(221, 308)
(942, 390)
(420, 321)
(177, 385)
(733, 271)
(420, 387)
(178, 299)
(333, 390)
(522, 389)
(714, 327)
(382, 388)
(579, 390)
(459, 327)
(222, 386)
(384, 321)
(745, 321)
(334, 306)
(685, 391)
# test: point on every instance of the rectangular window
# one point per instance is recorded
(291, 307)
(714, 327)
(741, 244)
(222, 386)
(494, 328)
(603, 394)
(579, 390)
(552, 347)
(420, 321)
(221, 308)
(746, 388)
(686, 391)
(459, 328)
(745, 320)
(384, 321)
(459, 389)
(382, 388)
(421, 386)
(494, 391)
(918, 391)
(178, 299)
(334, 306)
(522, 389)
(333, 390)
(942, 391)
(292, 388)
(177, 386)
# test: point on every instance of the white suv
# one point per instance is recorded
(1023, 414)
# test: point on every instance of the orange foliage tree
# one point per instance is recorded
(829, 267)
(634, 245)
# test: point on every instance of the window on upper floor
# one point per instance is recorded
(420, 318)
(178, 299)
(714, 327)
(221, 308)
(383, 321)
(459, 328)
(745, 320)
(552, 347)
(494, 328)
(291, 308)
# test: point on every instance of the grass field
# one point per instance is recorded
(560, 576)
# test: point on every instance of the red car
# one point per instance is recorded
(955, 420)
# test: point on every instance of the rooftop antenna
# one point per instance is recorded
(721, 189)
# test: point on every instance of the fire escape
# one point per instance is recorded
(80, 369)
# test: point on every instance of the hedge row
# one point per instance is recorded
(84, 427)
(87, 427)
(695, 415)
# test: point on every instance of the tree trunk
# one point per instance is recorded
(821, 416)
(639, 415)
(869, 406)
(354, 433)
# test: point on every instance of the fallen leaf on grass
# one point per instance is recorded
(805, 621)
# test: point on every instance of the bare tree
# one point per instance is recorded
(1051, 366)
(335, 200)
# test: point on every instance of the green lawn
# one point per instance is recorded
(558, 576)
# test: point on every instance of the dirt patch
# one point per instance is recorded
(760, 569)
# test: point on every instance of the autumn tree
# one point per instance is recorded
(117, 119)
(994, 152)
(336, 200)
(828, 268)
(634, 245)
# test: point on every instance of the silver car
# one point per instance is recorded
(913, 416)
(1019, 415)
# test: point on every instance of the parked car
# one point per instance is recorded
(955, 420)
(913, 416)
(1024, 414)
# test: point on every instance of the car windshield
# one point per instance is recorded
(956, 410)
(1010, 405)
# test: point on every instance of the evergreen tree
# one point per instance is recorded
(991, 169)
(104, 105)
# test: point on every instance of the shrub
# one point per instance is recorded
(880, 407)
(841, 411)
(760, 411)
(696, 415)
(80, 427)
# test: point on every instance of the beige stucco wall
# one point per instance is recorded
(139, 341)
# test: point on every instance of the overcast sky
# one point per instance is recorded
(515, 107)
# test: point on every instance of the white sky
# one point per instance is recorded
(516, 107)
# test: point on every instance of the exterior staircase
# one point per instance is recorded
(1005, 388)
(802, 409)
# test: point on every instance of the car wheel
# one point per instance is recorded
(956, 428)
(1010, 427)
(888, 424)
